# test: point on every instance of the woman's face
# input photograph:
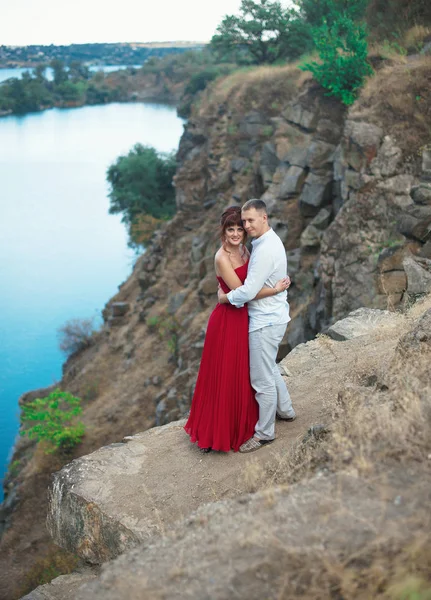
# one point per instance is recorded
(234, 235)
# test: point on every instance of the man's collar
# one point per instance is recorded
(261, 238)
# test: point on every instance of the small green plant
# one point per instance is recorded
(153, 323)
(13, 468)
(343, 49)
(168, 329)
(268, 130)
(232, 129)
(55, 417)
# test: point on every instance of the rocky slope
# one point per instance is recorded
(349, 192)
(351, 514)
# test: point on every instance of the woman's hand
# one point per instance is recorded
(282, 285)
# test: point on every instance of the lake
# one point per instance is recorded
(62, 255)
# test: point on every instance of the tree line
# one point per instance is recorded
(70, 86)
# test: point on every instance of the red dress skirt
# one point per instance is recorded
(224, 411)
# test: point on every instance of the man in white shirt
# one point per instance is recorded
(268, 319)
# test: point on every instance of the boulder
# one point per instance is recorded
(387, 161)
(119, 309)
(176, 301)
(293, 182)
(426, 162)
(238, 164)
(415, 222)
(197, 252)
(392, 282)
(281, 228)
(268, 162)
(391, 259)
(296, 156)
(293, 261)
(418, 337)
(320, 155)
(328, 131)
(312, 234)
(362, 143)
(316, 192)
(426, 250)
(362, 321)
(398, 185)
(64, 587)
(418, 275)
(209, 285)
(421, 194)
(254, 124)
(300, 115)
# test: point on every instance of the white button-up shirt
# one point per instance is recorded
(267, 265)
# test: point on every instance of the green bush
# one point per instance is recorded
(55, 417)
(141, 183)
(343, 49)
(199, 81)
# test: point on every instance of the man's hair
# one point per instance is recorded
(254, 203)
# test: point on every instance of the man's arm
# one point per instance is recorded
(261, 267)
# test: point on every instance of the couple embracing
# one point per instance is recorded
(239, 389)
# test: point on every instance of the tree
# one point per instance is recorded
(261, 30)
(60, 73)
(343, 50)
(78, 71)
(316, 12)
(141, 184)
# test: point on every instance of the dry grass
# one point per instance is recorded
(374, 431)
(413, 39)
(399, 100)
(47, 567)
(266, 88)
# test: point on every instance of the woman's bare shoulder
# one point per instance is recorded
(221, 257)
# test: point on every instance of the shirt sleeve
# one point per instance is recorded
(260, 268)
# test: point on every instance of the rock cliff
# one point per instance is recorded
(348, 192)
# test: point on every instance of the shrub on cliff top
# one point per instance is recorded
(342, 46)
(55, 417)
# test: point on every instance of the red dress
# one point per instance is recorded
(224, 411)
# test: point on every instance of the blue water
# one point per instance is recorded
(62, 255)
(8, 73)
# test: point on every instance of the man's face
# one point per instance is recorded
(255, 222)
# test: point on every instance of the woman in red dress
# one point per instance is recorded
(224, 411)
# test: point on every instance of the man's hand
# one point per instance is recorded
(222, 297)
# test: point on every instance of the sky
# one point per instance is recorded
(25, 22)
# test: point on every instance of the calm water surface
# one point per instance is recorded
(62, 255)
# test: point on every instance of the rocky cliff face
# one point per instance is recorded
(350, 200)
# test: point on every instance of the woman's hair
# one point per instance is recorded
(231, 216)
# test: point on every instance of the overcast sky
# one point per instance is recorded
(25, 22)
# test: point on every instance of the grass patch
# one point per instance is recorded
(46, 568)
(399, 101)
(265, 88)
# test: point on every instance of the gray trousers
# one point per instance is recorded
(266, 380)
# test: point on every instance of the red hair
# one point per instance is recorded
(230, 217)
